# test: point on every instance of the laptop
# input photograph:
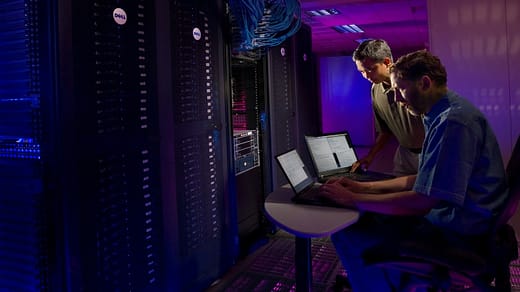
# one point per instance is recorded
(303, 184)
(334, 154)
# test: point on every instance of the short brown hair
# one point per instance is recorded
(420, 63)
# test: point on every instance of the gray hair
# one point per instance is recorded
(376, 50)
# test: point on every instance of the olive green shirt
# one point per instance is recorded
(390, 117)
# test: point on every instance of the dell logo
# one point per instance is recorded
(196, 34)
(119, 16)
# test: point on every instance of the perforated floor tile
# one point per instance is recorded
(271, 268)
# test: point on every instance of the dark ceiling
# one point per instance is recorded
(402, 23)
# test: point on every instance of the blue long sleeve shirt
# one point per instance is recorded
(461, 165)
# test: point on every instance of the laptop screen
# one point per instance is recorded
(295, 171)
(331, 152)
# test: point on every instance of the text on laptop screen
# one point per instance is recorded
(331, 152)
(294, 170)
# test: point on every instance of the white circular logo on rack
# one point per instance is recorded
(282, 51)
(119, 16)
(197, 34)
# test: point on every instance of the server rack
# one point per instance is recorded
(274, 95)
(292, 99)
(205, 240)
(282, 106)
(108, 129)
(248, 100)
(25, 228)
(307, 100)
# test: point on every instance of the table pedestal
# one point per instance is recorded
(305, 222)
(303, 261)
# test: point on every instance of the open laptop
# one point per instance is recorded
(303, 184)
(333, 155)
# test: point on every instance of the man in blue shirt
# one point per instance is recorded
(457, 194)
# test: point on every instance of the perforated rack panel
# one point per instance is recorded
(206, 242)
(116, 146)
(282, 104)
(23, 228)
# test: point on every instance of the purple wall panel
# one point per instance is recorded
(479, 54)
(345, 100)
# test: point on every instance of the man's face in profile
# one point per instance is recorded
(407, 94)
(375, 72)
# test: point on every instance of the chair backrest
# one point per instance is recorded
(513, 177)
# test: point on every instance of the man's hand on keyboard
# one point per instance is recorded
(348, 183)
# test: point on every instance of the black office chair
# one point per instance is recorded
(451, 269)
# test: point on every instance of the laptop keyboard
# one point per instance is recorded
(360, 176)
(364, 176)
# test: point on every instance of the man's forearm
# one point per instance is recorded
(399, 203)
(398, 184)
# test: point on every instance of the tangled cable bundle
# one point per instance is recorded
(264, 23)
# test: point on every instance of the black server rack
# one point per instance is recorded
(305, 89)
(249, 135)
(107, 126)
(274, 99)
(292, 99)
(282, 106)
(204, 238)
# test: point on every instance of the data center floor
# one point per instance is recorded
(271, 268)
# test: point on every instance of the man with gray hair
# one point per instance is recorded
(373, 59)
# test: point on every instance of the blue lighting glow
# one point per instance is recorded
(345, 100)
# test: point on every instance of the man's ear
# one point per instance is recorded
(387, 61)
(425, 82)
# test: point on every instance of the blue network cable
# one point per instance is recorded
(265, 23)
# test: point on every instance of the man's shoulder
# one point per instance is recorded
(378, 94)
(462, 109)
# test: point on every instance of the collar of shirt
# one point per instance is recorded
(390, 94)
(437, 109)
